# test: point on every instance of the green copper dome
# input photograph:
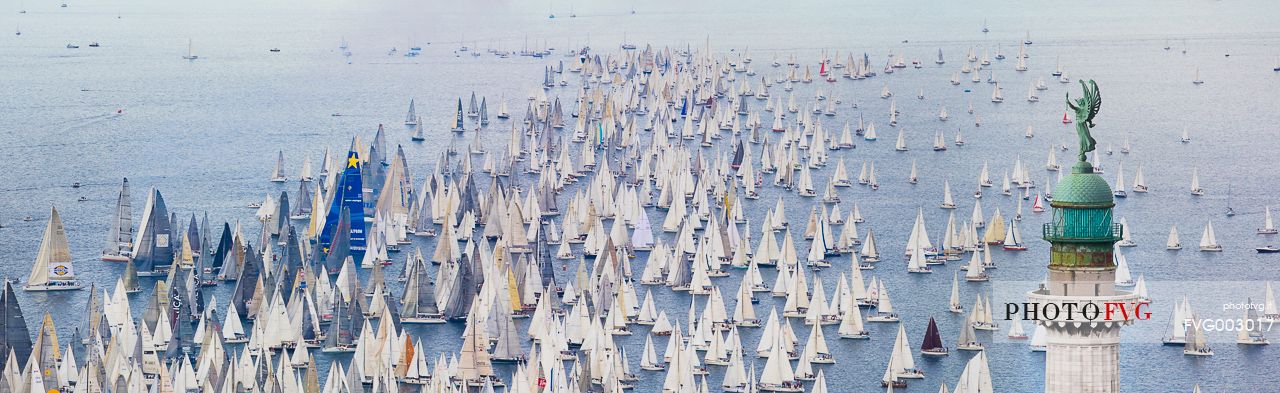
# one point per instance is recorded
(1082, 188)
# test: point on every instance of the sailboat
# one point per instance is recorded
(1013, 238)
(947, 201)
(1270, 311)
(974, 272)
(1123, 277)
(1209, 240)
(419, 300)
(996, 97)
(649, 361)
(968, 340)
(1268, 226)
(1119, 190)
(458, 125)
(954, 303)
(976, 377)
(1251, 333)
(1197, 80)
(277, 176)
(1039, 339)
(190, 55)
(1195, 182)
(1016, 332)
(778, 376)
(52, 270)
(1126, 239)
(411, 118)
(884, 308)
(419, 134)
(1196, 344)
(1139, 181)
(120, 236)
(1173, 243)
(932, 344)
(153, 251)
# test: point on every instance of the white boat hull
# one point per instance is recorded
(48, 288)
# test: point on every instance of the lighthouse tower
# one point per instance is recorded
(1082, 355)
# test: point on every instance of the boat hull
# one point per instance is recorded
(115, 258)
(49, 288)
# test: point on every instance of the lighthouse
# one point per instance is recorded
(1082, 348)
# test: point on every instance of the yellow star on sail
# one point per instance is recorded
(353, 161)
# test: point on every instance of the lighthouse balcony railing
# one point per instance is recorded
(1083, 233)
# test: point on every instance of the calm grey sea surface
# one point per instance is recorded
(205, 133)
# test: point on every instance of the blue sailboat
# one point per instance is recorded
(348, 202)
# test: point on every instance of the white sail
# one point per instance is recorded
(1208, 239)
(1173, 243)
(52, 269)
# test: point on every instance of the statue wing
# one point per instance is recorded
(1093, 98)
(1097, 99)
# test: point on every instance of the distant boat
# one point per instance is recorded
(1126, 239)
(1016, 332)
(274, 50)
(1209, 239)
(1123, 277)
(984, 26)
(52, 270)
(411, 118)
(94, 44)
(458, 121)
(1197, 78)
(1268, 226)
(503, 113)
(1251, 335)
(418, 133)
(1267, 249)
(278, 176)
(1119, 190)
(1039, 339)
(1195, 182)
(190, 54)
(73, 46)
(1173, 243)
(1196, 344)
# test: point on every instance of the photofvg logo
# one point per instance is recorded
(1153, 312)
(1077, 311)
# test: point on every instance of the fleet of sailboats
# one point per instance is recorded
(312, 275)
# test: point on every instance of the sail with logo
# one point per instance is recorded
(52, 270)
(348, 200)
(152, 249)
